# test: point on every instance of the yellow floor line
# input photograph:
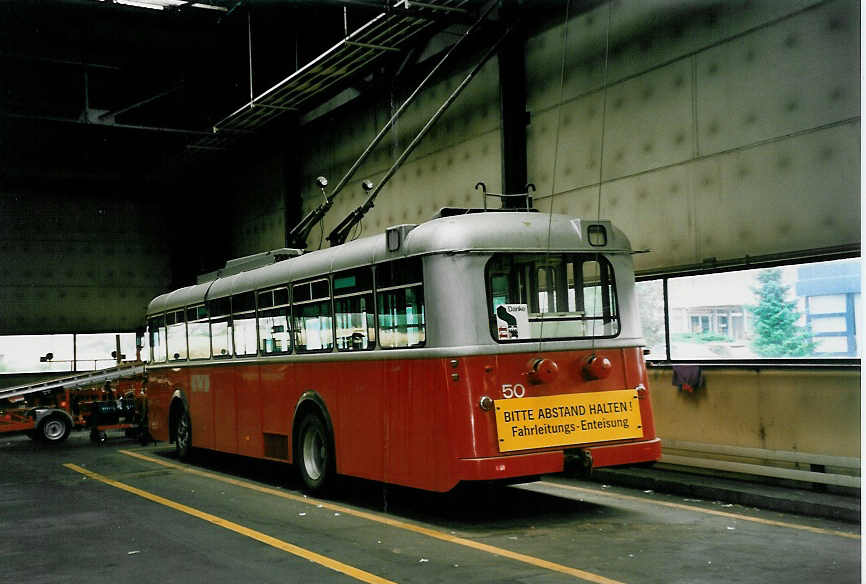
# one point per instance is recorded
(516, 556)
(702, 510)
(251, 533)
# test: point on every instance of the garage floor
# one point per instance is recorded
(125, 513)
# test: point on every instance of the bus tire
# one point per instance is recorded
(183, 435)
(314, 454)
(54, 429)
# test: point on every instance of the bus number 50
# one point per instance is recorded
(516, 390)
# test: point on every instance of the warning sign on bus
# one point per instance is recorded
(567, 420)
(512, 321)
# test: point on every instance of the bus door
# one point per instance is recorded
(360, 392)
(223, 379)
(248, 394)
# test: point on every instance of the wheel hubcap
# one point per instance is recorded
(315, 453)
(182, 432)
(53, 429)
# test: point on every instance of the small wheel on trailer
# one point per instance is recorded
(55, 428)
(314, 454)
(98, 436)
(183, 435)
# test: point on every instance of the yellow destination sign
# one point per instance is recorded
(567, 420)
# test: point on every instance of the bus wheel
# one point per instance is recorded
(183, 436)
(315, 454)
(54, 429)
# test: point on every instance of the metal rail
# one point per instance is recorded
(74, 381)
(300, 232)
(341, 232)
(395, 28)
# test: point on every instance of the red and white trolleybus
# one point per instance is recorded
(472, 347)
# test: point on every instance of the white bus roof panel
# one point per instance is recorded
(511, 231)
(179, 298)
(480, 232)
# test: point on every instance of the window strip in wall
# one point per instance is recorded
(791, 313)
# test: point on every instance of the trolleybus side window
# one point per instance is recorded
(156, 327)
(311, 307)
(534, 296)
(175, 338)
(400, 303)
(220, 327)
(274, 334)
(244, 323)
(599, 299)
(354, 313)
(198, 332)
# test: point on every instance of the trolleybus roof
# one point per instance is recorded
(471, 233)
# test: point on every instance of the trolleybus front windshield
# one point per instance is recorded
(551, 296)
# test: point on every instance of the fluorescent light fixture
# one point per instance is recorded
(140, 4)
(162, 4)
(209, 6)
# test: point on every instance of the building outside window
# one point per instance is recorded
(790, 311)
(832, 306)
(65, 352)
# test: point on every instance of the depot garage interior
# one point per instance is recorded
(145, 143)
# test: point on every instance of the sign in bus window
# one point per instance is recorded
(551, 296)
(512, 321)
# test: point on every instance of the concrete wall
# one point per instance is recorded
(462, 149)
(89, 262)
(797, 410)
(707, 130)
(258, 207)
(723, 130)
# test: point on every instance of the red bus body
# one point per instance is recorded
(407, 416)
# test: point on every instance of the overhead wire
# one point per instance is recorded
(596, 298)
(603, 107)
(551, 285)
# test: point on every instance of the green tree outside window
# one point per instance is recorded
(776, 331)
